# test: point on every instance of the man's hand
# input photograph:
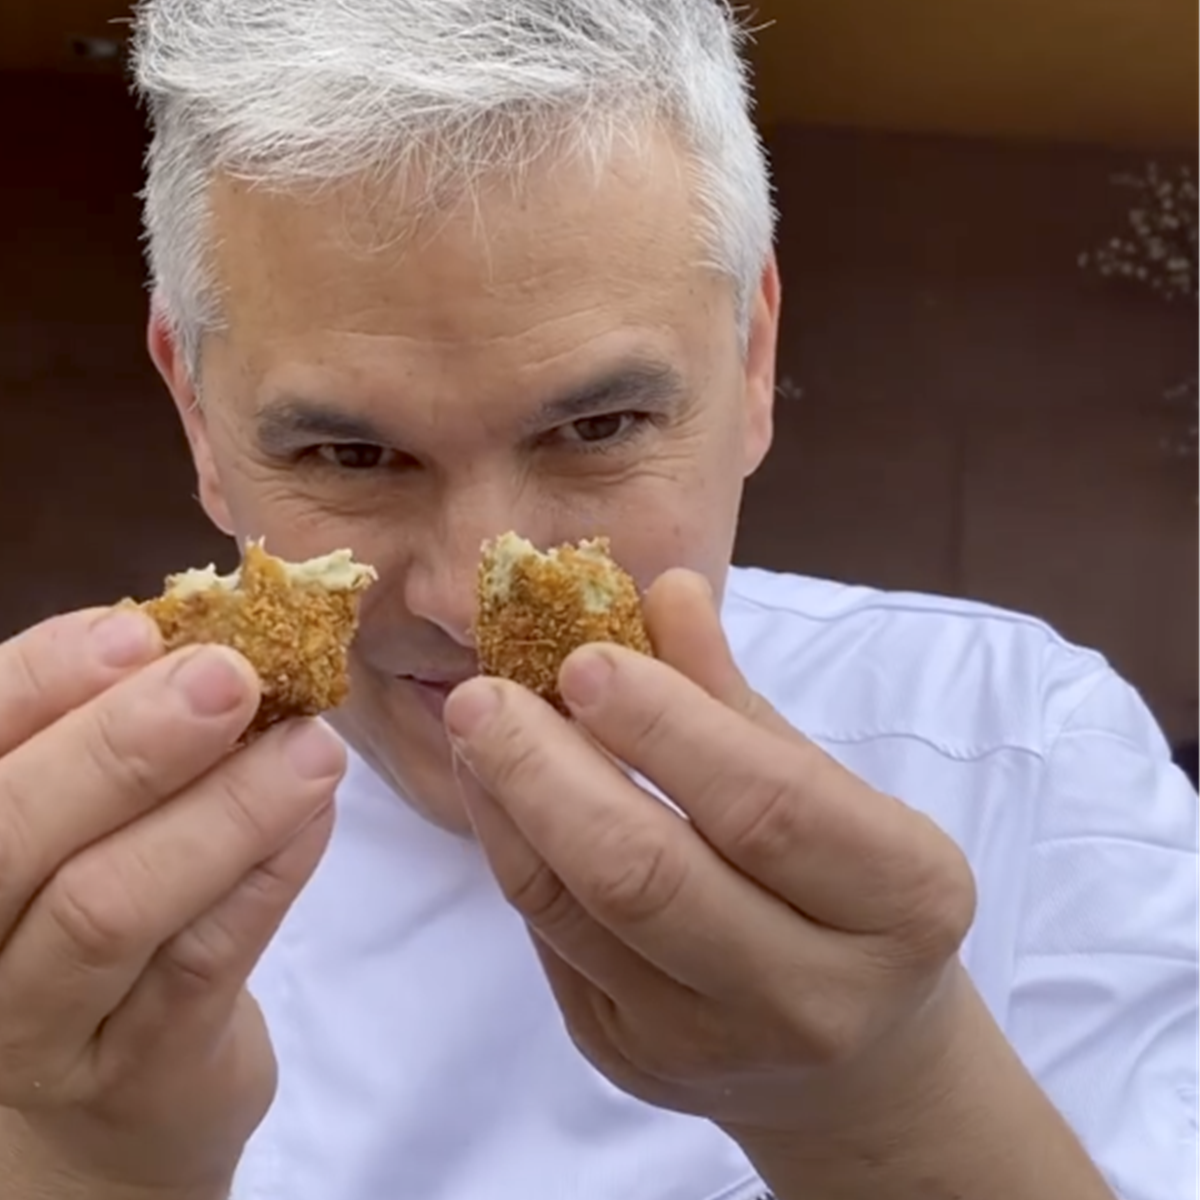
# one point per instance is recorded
(143, 869)
(784, 960)
(801, 925)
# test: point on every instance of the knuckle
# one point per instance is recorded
(757, 709)
(673, 1054)
(224, 943)
(40, 671)
(821, 1011)
(539, 895)
(959, 892)
(30, 679)
(833, 1043)
(834, 1029)
(196, 959)
(652, 731)
(256, 806)
(695, 1049)
(21, 864)
(655, 1055)
(242, 787)
(516, 761)
(764, 822)
(940, 907)
(266, 889)
(605, 1041)
(644, 882)
(112, 753)
(94, 914)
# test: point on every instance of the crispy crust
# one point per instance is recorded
(290, 622)
(535, 609)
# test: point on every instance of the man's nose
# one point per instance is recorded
(443, 571)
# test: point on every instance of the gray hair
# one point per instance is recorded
(307, 93)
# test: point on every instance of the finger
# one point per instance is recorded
(631, 863)
(94, 928)
(624, 1014)
(104, 764)
(56, 666)
(182, 1006)
(641, 1027)
(781, 810)
(570, 941)
(685, 627)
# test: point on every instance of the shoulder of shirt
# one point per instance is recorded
(848, 663)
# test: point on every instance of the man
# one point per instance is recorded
(425, 271)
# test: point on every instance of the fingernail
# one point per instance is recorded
(314, 751)
(585, 677)
(123, 639)
(211, 682)
(470, 707)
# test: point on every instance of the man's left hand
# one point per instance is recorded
(783, 960)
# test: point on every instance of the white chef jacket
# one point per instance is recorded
(422, 1056)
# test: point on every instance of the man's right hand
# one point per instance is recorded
(143, 870)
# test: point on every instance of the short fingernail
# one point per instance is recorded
(123, 639)
(314, 751)
(585, 677)
(211, 682)
(471, 707)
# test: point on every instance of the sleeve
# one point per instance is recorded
(1104, 1005)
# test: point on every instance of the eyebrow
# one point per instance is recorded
(291, 422)
(650, 387)
(288, 424)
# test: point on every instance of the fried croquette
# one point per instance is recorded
(534, 609)
(293, 621)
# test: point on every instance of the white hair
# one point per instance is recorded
(304, 93)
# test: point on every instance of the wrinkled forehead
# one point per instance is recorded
(385, 254)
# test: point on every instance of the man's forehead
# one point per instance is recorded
(530, 295)
(636, 214)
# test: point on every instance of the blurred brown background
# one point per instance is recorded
(963, 409)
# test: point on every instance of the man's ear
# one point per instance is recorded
(758, 421)
(166, 356)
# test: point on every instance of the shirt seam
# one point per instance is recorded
(750, 1188)
(963, 754)
(1076, 839)
(929, 608)
(1148, 955)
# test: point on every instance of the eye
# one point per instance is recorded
(604, 430)
(356, 456)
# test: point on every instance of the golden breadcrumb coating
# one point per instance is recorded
(535, 609)
(293, 621)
